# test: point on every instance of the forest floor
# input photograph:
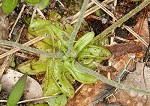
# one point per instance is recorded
(128, 42)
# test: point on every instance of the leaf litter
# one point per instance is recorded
(100, 94)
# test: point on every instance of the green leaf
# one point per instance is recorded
(32, 1)
(12, 64)
(9, 5)
(17, 91)
(59, 101)
(43, 4)
(49, 85)
(98, 13)
(33, 67)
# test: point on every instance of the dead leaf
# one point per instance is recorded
(141, 26)
(86, 95)
(124, 48)
(140, 79)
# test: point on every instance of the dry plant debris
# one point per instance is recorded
(128, 43)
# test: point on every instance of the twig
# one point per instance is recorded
(17, 54)
(120, 21)
(104, 8)
(10, 43)
(40, 13)
(30, 100)
(115, 3)
(77, 26)
(92, 9)
(60, 3)
(36, 99)
(16, 20)
(33, 15)
(22, 53)
(79, 88)
(78, 13)
(136, 35)
(125, 40)
(24, 47)
(3, 101)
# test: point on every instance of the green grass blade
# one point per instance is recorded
(17, 91)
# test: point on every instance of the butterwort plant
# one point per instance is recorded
(61, 72)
